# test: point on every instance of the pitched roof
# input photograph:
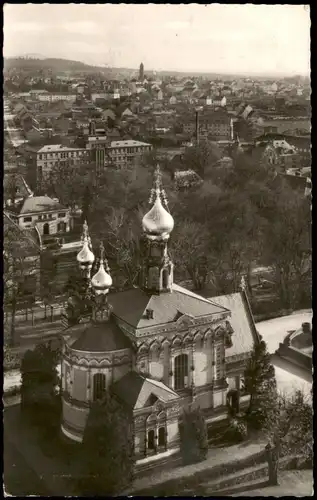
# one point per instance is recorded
(241, 320)
(27, 238)
(98, 337)
(131, 305)
(135, 390)
(37, 204)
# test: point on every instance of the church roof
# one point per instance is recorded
(242, 322)
(135, 390)
(98, 337)
(131, 306)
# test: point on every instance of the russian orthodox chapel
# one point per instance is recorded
(157, 347)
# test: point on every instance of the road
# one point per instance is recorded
(23, 316)
(273, 331)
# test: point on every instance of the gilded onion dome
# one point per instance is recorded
(102, 280)
(85, 257)
(158, 221)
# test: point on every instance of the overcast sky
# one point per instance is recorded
(214, 38)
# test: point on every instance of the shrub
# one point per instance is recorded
(237, 431)
(193, 436)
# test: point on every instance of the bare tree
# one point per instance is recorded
(21, 259)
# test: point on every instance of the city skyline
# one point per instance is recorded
(254, 39)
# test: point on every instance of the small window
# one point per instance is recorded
(162, 436)
(151, 440)
(61, 215)
(99, 385)
(27, 219)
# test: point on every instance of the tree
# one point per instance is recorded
(68, 183)
(193, 436)
(107, 449)
(201, 157)
(39, 385)
(260, 383)
(291, 428)
(188, 248)
(287, 246)
(21, 261)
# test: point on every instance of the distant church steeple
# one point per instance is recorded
(141, 72)
(157, 267)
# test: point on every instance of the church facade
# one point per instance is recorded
(159, 347)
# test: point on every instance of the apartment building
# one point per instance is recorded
(214, 125)
(56, 96)
(49, 156)
(123, 153)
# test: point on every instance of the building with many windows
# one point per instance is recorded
(158, 348)
(123, 153)
(49, 156)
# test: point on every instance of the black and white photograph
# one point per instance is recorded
(157, 250)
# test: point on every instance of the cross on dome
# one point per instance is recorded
(85, 257)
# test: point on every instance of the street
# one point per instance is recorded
(275, 330)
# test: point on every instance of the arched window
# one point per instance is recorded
(153, 277)
(99, 386)
(181, 372)
(165, 278)
(46, 228)
(161, 436)
(151, 440)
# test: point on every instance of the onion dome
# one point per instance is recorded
(158, 221)
(102, 280)
(85, 257)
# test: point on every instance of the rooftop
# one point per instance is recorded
(241, 321)
(135, 390)
(130, 306)
(37, 204)
(99, 337)
(129, 143)
(57, 147)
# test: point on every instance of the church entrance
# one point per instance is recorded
(233, 402)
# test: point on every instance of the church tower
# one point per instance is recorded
(101, 283)
(157, 267)
(141, 72)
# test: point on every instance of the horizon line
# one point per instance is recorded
(224, 72)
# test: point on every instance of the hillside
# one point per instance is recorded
(38, 63)
(54, 64)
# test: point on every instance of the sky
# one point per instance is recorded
(253, 39)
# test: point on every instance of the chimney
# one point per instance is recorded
(149, 313)
(306, 327)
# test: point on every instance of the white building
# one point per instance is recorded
(123, 153)
(49, 156)
(44, 214)
(57, 97)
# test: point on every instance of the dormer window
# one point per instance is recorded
(149, 313)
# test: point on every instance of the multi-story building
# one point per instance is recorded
(123, 153)
(214, 125)
(49, 156)
(57, 97)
